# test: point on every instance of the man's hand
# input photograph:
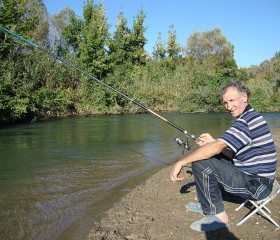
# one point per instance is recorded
(204, 139)
(175, 173)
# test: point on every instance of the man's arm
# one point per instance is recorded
(204, 152)
(207, 138)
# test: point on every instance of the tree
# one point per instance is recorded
(120, 44)
(72, 32)
(27, 18)
(93, 56)
(159, 52)
(126, 48)
(95, 35)
(138, 40)
(64, 32)
(173, 48)
(211, 49)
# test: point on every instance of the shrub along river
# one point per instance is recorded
(57, 177)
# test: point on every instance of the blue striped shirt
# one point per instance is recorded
(250, 139)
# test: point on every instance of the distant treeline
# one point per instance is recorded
(35, 86)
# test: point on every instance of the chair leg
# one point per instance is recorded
(241, 205)
(247, 217)
(267, 209)
(264, 207)
(258, 208)
(269, 218)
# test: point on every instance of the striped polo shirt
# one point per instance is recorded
(250, 139)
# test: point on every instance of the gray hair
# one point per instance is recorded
(241, 88)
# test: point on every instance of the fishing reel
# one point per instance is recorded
(184, 144)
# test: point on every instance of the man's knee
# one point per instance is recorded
(199, 166)
(203, 164)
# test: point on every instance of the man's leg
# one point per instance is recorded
(212, 173)
(209, 193)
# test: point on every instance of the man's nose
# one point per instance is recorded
(229, 106)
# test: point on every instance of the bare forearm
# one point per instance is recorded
(204, 152)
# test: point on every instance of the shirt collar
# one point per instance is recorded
(247, 108)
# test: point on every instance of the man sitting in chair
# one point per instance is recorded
(242, 161)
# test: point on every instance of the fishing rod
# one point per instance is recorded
(180, 142)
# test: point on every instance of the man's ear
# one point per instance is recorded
(245, 97)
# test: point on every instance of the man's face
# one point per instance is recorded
(235, 102)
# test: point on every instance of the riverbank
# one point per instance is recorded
(155, 209)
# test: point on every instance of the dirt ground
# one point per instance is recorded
(156, 210)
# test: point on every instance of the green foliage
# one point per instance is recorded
(126, 48)
(211, 49)
(119, 45)
(172, 53)
(173, 48)
(11, 106)
(259, 99)
(26, 17)
(71, 32)
(138, 40)
(92, 46)
(159, 51)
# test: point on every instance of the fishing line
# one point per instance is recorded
(181, 142)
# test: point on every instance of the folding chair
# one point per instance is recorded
(261, 205)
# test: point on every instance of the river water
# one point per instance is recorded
(57, 177)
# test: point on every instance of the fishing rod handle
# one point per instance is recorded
(193, 137)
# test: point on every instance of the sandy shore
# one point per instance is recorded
(155, 209)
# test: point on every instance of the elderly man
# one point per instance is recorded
(242, 161)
